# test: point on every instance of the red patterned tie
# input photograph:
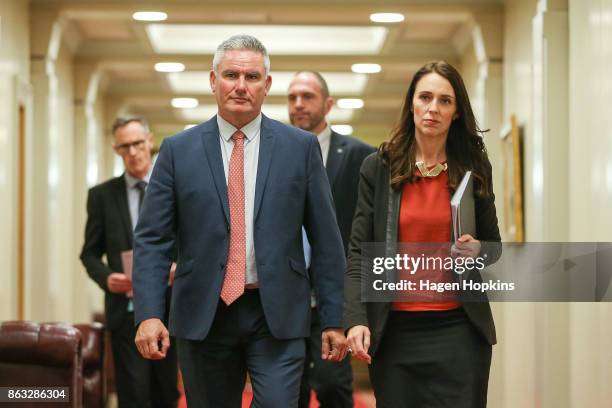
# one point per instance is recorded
(233, 285)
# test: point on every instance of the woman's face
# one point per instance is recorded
(433, 106)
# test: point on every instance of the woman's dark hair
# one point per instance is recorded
(465, 149)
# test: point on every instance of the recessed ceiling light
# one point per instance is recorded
(387, 17)
(275, 111)
(343, 129)
(350, 103)
(195, 82)
(189, 126)
(279, 39)
(150, 16)
(184, 102)
(169, 67)
(365, 68)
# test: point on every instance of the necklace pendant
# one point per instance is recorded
(434, 171)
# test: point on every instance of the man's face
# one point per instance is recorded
(307, 105)
(240, 85)
(134, 146)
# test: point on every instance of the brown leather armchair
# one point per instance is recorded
(94, 385)
(35, 355)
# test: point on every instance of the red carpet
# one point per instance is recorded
(362, 399)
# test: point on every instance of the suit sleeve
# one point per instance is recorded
(154, 240)
(95, 241)
(328, 260)
(362, 231)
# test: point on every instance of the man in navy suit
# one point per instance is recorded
(309, 103)
(233, 194)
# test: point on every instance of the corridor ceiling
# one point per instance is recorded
(327, 36)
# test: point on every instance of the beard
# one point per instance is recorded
(309, 122)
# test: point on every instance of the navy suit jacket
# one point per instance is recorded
(186, 202)
(344, 159)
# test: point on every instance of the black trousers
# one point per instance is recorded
(332, 382)
(142, 383)
(431, 360)
(214, 369)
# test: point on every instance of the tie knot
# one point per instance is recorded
(141, 185)
(238, 135)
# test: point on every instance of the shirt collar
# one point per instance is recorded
(131, 181)
(325, 135)
(250, 130)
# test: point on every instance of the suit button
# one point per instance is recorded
(222, 265)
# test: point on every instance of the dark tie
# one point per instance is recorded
(141, 186)
(233, 284)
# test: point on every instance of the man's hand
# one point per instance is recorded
(118, 283)
(333, 344)
(150, 333)
(359, 343)
(172, 272)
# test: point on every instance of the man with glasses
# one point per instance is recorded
(113, 208)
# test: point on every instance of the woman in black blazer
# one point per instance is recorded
(420, 355)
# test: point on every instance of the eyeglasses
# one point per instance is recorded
(125, 147)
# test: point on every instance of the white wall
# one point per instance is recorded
(590, 188)
(567, 361)
(14, 90)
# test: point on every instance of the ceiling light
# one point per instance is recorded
(343, 129)
(274, 111)
(169, 67)
(279, 39)
(365, 68)
(189, 126)
(195, 82)
(184, 102)
(350, 103)
(387, 17)
(149, 16)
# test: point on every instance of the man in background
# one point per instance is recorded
(309, 103)
(112, 213)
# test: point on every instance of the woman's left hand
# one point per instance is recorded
(466, 247)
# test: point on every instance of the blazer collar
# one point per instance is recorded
(119, 186)
(337, 152)
(212, 149)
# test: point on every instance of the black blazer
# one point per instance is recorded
(108, 232)
(376, 220)
(344, 160)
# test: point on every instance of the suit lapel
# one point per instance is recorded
(121, 200)
(266, 147)
(212, 149)
(334, 157)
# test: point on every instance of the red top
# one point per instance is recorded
(425, 217)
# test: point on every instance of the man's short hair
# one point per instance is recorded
(322, 81)
(241, 42)
(124, 121)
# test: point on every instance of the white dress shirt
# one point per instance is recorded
(324, 140)
(133, 194)
(251, 157)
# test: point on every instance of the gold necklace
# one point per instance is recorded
(434, 171)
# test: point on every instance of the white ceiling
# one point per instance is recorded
(323, 35)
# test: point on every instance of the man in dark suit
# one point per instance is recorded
(112, 212)
(233, 194)
(309, 103)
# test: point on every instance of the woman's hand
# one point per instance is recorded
(466, 247)
(359, 342)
